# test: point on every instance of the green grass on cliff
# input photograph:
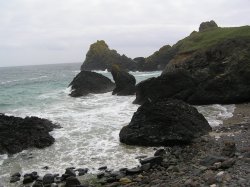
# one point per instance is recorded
(205, 39)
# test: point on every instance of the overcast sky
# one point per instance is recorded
(60, 31)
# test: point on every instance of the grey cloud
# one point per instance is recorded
(55, 31)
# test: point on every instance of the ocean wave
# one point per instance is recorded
(37, 78)
(21, 80)
(100, 71)
(7, 82)
(215, 114)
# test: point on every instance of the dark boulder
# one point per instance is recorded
(48, 179)
(217, 75)
(124, 82)
(164, 122)
(72, 182)
(14, 179)
(70, 172)
(17, 134)
(177, 84)
(87, 82)
(28, 179)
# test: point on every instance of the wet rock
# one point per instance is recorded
(27, 179)
(38, 184)
(117, 174)
(17, 134)
(228, 149)
(103, 168)
(87, 82)
(228, 163)
(124, 82)
(82, 171)
(72, 182)
(145, 167)
(34, 175)
(57, 179)
(156, 160)
(211, 159)
(65, 176)
(164, 122)
(141, 157)
(111, 179)
(45, 167)
(100, 175)
(14, 179)
(48, 179)
(16, 175)
(160, 152)
(70, 172)
(133, 171)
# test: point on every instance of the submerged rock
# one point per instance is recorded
(125, 82)
(164, 122)
(17, 134)
(87, 82)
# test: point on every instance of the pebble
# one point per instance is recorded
(125, 180)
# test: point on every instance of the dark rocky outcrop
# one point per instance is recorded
(164, 122)
(158, 60)
(207, 25)
(125, 82)
(218, 74)
(100, 57)
(177, 84)
(17, 134)
(90, 82)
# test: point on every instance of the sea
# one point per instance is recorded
(89, 137)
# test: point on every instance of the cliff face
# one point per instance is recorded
(100, 57)
(212, 66)
(209, 35)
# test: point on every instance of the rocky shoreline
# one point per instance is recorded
(221, 158)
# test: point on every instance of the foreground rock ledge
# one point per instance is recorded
(17, 134)
(164, 123)
(87, 82)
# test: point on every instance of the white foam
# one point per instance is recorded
(7, 82)
(215, 114)
(37, 78)
(2, 158)
(100, 71)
